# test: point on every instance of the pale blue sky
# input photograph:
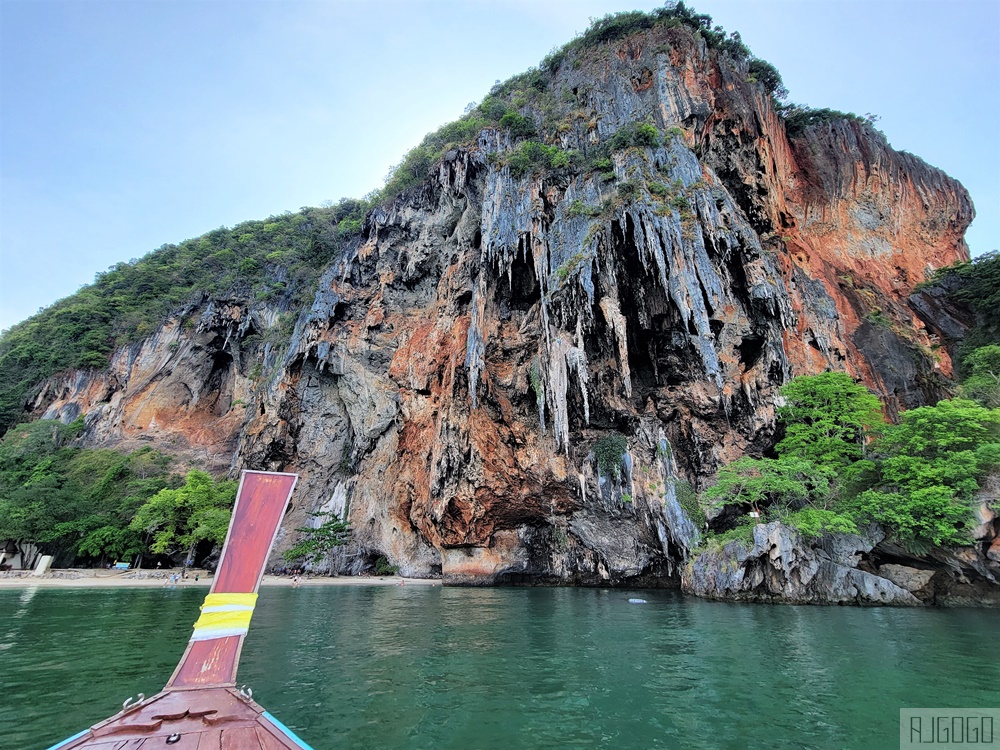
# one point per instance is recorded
(132, 123)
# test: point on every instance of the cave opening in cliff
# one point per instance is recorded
(735, 268)
(751, 348)
(218, 386)
(338, 313)
(521, 290)
(649, 317)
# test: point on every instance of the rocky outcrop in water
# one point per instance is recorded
(779, 566)
(462, 360)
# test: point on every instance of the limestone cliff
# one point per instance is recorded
(448, 384)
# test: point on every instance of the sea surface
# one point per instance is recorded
(430, 667)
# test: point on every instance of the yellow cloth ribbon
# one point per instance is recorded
(224, 615)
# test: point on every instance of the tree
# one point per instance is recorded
(111, 542)
(826, 418)
(178, 519)
(765, 73)
(983, 383)
(929, 515)
(938, 433)
(817, 522)
(762, 482)
(112, 486)
(930, 467)
(980, 286)
(35, 493)
(318, 541)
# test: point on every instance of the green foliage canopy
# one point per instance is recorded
(71, 500)
(826, 417)
(983, 383)
(760, 482)
(817, 522)
(178, 519)
(278, 259)
(980, 288)
(931, 466)
(636, 134)
(917, 483)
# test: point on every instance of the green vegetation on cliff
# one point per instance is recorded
(276, 261)
(925, 471)
(916, 478)
(317, 541)
(840, 467)
(983, 383)
(799, 117)
(527, 107)
(975, 283)
(609, 452)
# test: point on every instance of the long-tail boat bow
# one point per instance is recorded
(200, 707)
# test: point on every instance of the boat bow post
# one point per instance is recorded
(200, 707)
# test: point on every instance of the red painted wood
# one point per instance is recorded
(198, 702)
(260, 505)
(258, 512)
(270, 741)
(207, 719)
(207, 663)
(186, 742)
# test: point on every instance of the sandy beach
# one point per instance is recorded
(67, 579)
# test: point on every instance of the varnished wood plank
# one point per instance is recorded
(210, 740)
(240, 738)
(188, 741)
(207, 663)
(268, 741)
(199, 704)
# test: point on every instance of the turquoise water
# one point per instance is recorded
(370, 667)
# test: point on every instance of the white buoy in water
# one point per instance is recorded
(636, 601)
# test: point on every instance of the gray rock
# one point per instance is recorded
(780, 566)
(911, 579)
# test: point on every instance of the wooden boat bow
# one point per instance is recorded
(200, 707)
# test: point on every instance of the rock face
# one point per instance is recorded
(448, 385)
(184, 389)
(778, 567)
